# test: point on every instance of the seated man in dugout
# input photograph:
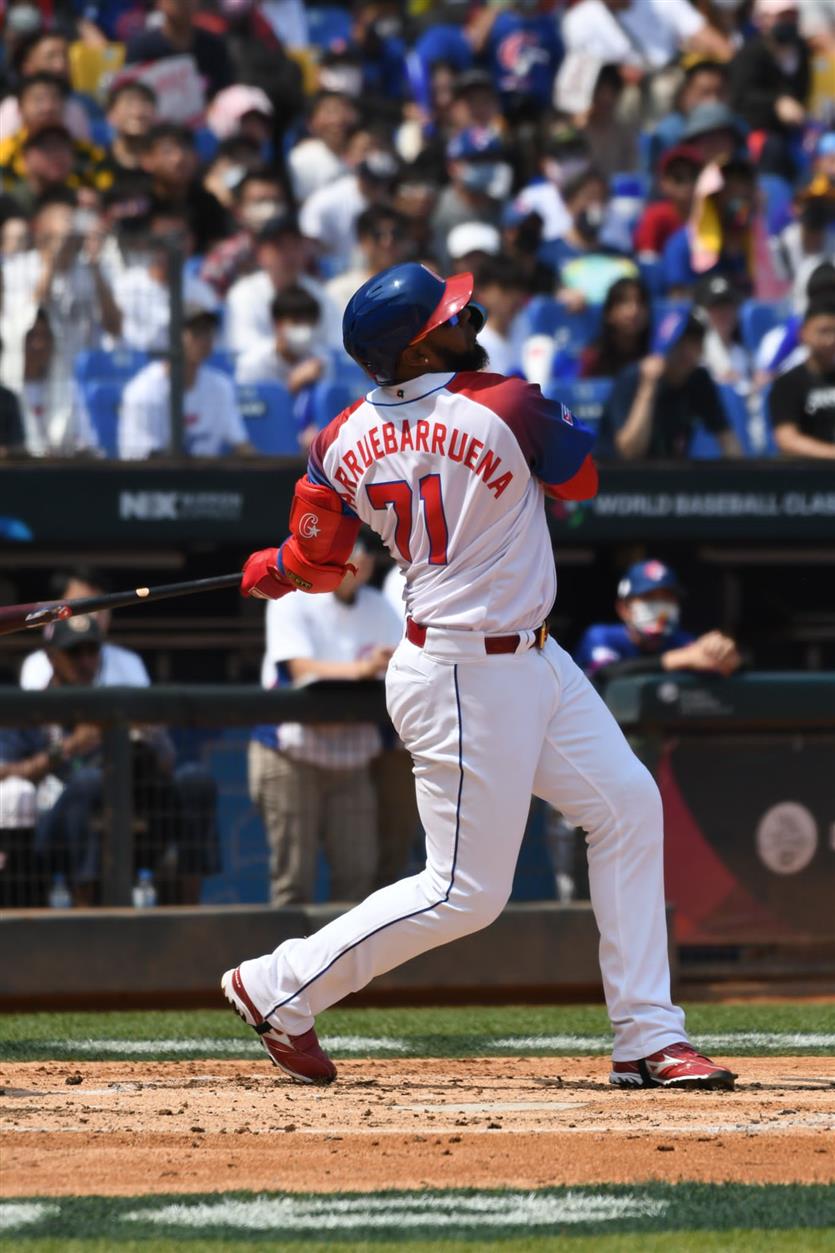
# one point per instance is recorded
(51, 794)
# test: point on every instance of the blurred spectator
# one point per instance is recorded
(808, 240)
(522, 49)
(782, 348)
(319, 159)
(521, 238)
(175, 36)
(170, 161)
(142, 289)
(802, 401)
(14, 231)
(131, 112)
(231, 162)
(470, 244)
(282, 254)
(211, 420)
(375, 38)
(714, 131)
(55, 418)
(330, 214)
(241, 111)
(257, 36)
(678, 171)
(117, 665)
(719, 236)
(61, 770)
(480, 178)
(63, 275)
(415, 199)
(44, 51)
(11, 422)
(259, 196)
(641, 36)
(624, 331)
(295, 358)
(381, 242)
(770, 80)
(705, 82)
(564, 155)
(312, 783)
(657, 405)
(585, 197)
(648, 639)
(613, 145)
(725, 357)
(501, 289)
(476, 102)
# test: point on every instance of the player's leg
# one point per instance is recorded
(590, 773)
(350, 833)
(475, 732)
(287, 795)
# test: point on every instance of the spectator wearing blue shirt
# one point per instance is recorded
(522, 49)
(657, 404)
(648, 638)
(729, 217)
(376, 32)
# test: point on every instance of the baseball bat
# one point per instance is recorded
(39, 613)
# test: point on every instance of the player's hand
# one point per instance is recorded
(261, 578)
(652, 368)
(374, 666)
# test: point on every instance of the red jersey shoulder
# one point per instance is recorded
(503, 395)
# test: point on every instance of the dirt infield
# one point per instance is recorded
(120, 1128)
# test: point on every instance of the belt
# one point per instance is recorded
(416, 634)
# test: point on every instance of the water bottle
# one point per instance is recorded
(59, 893)
(144, 892)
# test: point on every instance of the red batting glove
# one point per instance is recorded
(261, 577)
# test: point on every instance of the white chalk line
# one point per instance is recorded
(14, 1214)
(214, 1045)
(728, 1041)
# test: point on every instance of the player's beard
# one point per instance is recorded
(474, 358)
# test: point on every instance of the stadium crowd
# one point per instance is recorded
(644, 189)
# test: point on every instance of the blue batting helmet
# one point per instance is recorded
(398, 307)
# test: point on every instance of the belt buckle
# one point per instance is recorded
(541, 636)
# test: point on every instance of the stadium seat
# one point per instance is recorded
(103, 400)
(206, 144)
(756, 319)
(777, 195)
(117, 365)
(329, 399)
(571, 331)
(222, 360)
(350, 376)
(267, 411)
(652, 272)
(586, 398)
(736, 409)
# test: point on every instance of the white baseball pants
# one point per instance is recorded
(486, 732)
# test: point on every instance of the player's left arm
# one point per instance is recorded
(314, 557)
(557, 446)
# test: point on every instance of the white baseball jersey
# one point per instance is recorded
(449, 470)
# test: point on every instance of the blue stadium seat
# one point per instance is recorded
(327, 24)
(329, 399)
(652, 272)
(222, 360)
(586, 398)
(206, 144)
(571, 331)
(103, 400)
(118, 365)
(736, 409)
(777, 193)
(704, 446)
(756, 319)
(267, 411)
(350, 376)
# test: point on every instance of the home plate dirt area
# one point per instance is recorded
(127, 1128)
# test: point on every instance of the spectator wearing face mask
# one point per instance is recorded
(297, 357)
(259, 196)
(479, 180)
(648, 638)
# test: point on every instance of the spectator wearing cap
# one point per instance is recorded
(801, 403)
(64, 273)
(564, 156)
(648, 638)
(55, 418)
(131, 112)
(295, 357)
(470, 244)
(44, 51)
(501, 289)
(170, 161)
(656, 405)
(770, 82)
(522, 49)
(725, 357)
(718, 238)
(320, 157)
(257, 198)
(521, 238)
(624, 337)
(479, 180)
(212, 423)
(282, 255)
(704, 82)
(330, 214)
(715, 132)
(241, 110)
(678, 171)
(177, 35)
(382, 240)
(142, 289)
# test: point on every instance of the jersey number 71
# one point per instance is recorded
(398, 496)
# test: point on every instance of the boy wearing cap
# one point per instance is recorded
(725, 357)
(648, 638)
(656, 406)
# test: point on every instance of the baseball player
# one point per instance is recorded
(451, 466)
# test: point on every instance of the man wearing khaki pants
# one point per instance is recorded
(312, 783)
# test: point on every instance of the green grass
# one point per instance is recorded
(797, 1240)
(434, 1032)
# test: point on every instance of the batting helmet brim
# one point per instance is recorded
(458, 291)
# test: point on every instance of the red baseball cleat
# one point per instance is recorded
(676, 1066)
(299, 1056)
